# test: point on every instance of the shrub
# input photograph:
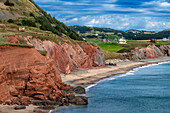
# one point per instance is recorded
(8, 3)
(11, 21)
(28, 23)
(31, 14)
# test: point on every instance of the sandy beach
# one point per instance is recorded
(84, 77)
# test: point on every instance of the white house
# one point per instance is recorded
(122, 41)
(165, 39)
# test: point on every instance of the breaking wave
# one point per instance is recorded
(132, 72)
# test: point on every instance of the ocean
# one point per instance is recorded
(143, 90)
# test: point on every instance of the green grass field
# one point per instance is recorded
(110, 47)
(107, 46)
(162, 43)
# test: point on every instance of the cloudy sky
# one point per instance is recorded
(151, 15)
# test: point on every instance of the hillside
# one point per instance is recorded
(28, 13)
(90, 32)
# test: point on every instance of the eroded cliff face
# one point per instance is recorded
(68, 56)
(165, 49)
(151, 52)
(26, 75)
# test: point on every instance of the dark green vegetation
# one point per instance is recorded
(89, 32)
(52, 24)
(32, 15)
(8, 3)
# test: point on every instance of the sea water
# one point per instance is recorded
(143, 90)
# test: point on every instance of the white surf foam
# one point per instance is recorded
(132, 72)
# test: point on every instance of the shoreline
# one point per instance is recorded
(85, 77)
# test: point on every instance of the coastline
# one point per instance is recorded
(84, 77)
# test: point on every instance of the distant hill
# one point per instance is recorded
(85, 29)
(94, 32)
(140, 32)
(28, 13)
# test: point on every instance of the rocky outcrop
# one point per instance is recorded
(26, 76)
(165, 49)
(150, 52)
(68, 56)
(114, 61)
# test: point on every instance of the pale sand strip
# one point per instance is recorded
(88, 76)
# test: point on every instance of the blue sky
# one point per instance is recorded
(153, 15)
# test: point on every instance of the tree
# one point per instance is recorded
(31, 14)
(11, 21)
(8, 3)
(28, 23)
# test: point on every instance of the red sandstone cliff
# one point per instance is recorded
(68, 57)
(151, 52)
(26, 75)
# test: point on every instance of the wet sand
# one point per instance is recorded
(10, 109)
(84, 77)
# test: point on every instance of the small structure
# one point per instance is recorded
(21, 29)
(122, 41)
(153, 40)
(114, 39)
(164, 39)
(104, 40)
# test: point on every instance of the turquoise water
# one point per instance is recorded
(143, 90)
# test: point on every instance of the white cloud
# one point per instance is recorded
(153, 15)
(93, 22)
(123, 22)
(158, 3)
(165, 4)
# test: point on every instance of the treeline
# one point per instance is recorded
(8, 3)
(84, 29)
(141, 35)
